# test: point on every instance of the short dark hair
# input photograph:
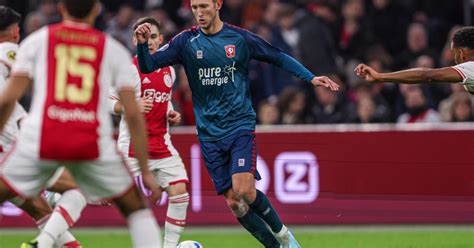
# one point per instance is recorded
(464, 37)
(146, 19)
(79, 8)
(8, 17)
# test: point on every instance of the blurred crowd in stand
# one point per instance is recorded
(330, 37)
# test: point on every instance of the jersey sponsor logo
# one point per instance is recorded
(199, 54)
(229, 51)
(11, 55)
(146, 81)
(157, 96)
(168, 80)
(217, 75)
(241, 162)
(67, 115)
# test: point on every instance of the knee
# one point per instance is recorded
(245, 192)
(238, 208)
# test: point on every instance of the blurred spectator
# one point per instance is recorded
(316, 45)
(232, 11)
(444, 107)
(417, 41)
(268, 113)
(182, 98)
(254, 12)
(417, 108)
(286, 27)
(291, 103)
(463, 108)
(355, 37)
(167, 27)
(34, 21)
(326, 107)
(120, 27)
(388, 20)
(365, 108)
(459, 107)
(49, 9)
(381, 109)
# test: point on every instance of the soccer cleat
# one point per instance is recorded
(288, 240)
(31, 244)
(72, 244)
(293, 242)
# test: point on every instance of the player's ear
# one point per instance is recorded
(160, 39)
(61, 9)
(218, 4)
(97, 9)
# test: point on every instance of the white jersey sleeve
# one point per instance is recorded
(114, 97)
(7, 58)
(27, 54)
(120, 66)
(466, 70)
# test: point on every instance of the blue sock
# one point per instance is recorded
(258, 229)
(262, 207)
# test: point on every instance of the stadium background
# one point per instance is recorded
(327, 158)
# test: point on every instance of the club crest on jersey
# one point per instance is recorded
(168, 80)
(229, 51)
(199, 54)
(11, 55)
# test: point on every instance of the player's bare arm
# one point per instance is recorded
(15, 89)
(410, 76)
(144, 105)
(325, 82)
(142, 33)
(138, 135)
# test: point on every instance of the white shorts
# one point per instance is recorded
(167, 171)
(98, 179)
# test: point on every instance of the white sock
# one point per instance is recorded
(144, 229)
(175, 219)
(282, 232)
(67, 211)
(63, 239)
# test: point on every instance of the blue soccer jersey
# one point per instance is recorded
(217, 69)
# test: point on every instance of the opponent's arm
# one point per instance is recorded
(410, 76)
(167, 55)
(263, 51)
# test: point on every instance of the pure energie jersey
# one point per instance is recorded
(217, 69)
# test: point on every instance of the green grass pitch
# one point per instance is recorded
(309, 237)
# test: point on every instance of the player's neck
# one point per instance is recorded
(214, 28)
(6, 38)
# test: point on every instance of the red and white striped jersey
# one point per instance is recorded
(466, 70)
(157, 86)
(72, 66)
(10, 130)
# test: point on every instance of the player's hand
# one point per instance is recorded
(174, 118)
(142, 33)
(150, 183)
(325, 82)
(367, 73)
(145, 104)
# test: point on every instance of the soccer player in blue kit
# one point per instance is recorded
(216, 57)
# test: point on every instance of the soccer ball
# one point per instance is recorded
(189, 244)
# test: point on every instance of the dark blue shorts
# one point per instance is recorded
(234, 154)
